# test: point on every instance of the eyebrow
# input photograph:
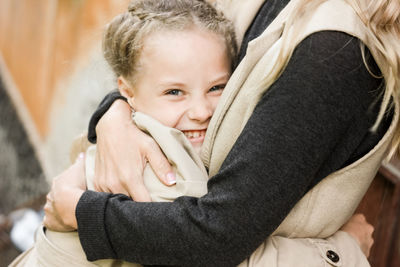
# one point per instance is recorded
(172, 83)
(225, 76)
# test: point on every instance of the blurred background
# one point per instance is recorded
(52, 77)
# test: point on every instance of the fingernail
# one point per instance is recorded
(171, 178)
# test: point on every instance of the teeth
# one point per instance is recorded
(193, 134)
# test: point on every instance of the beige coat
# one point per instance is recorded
(319, 213)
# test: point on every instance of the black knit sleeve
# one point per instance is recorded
(104, 105)
(314, 119)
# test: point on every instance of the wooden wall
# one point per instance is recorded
(42, 41)
(381, 206)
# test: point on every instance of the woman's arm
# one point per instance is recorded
(311, 122)
(103, 107)
(347, 249)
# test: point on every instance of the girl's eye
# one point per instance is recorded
(217, 88)
(174, 92)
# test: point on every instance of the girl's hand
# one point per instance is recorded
(122, 153)
(65, 193)
(361, 231)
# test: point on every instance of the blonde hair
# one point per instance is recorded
(125, 34)
(382, 18)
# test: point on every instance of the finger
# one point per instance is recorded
(370, 229)
(139, 193)
(48, 211)
(102, 170)
(368, 247)
(160, 164)
(360, 217)
(54, 225)
(47, 222)
(101, 184)
(100, 187)
(48, 208)
(115, 187)
(100, 166)
(49, 197)
(80, 162)
(109, 186)
(77, 173)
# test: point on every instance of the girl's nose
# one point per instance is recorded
(201, 110)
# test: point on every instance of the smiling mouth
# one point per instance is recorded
(195, 135)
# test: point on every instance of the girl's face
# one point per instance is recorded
(180, 80)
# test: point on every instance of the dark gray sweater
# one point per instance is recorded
(314, 120)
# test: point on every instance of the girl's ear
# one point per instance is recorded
(124, 88)
(126, 91)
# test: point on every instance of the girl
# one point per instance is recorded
(177, 63)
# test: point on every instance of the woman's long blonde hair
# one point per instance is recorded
(382, 18)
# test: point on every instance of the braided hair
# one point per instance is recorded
(125, 34)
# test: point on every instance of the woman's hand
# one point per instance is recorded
(65, 193)
(361, 231)
(122, 153)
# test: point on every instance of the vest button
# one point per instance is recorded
(332, 255)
